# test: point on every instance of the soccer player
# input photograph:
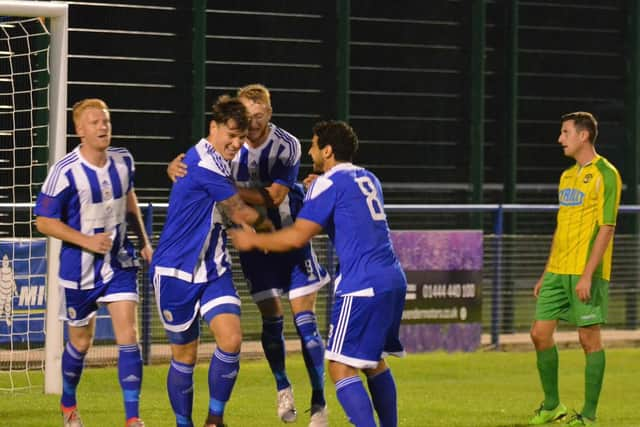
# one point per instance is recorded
(265, 171)
(191, 269)
(346, 201)
(86, 201)
(575, 283)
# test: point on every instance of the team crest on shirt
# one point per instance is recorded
(587, 178)
(167, 315)
(72, 313)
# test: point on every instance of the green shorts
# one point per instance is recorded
(558, 300)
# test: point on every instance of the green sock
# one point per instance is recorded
(593, 375)
(548, 370)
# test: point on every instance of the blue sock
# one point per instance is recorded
(223, 372)
(274, 349)
(313, 353)
(384, 396)
(130, 376)
(355, 402)
(180, 388)
(72, 364)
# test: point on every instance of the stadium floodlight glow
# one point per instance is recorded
(58, 15)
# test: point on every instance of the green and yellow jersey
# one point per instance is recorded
(589, 197)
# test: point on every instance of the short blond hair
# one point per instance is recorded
(80, 106)
(255, 92)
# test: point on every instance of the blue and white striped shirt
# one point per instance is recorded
(193, 243)
(91, 200)
(277, 160)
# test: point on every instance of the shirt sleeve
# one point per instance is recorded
(218, 187)
(320, 202)
(286, 168)
(610, 196)
(54, 196)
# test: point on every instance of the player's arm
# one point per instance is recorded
(240, 213)
(177, 169)
(284, 240)
(269, 197)
(99, 243)
(134, 219)
(600, 244)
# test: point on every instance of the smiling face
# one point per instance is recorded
(573, 140)
(317, 155)
(260, 114)
(93, 126)
(227, 138)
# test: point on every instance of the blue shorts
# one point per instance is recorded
(78, 306)
(181, 303)
(365, 327)
(296, 273)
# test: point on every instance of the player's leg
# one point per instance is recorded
(353, 344)
(380, 381)
(73, 355)
(272, 338)
(78, 308)
(589, 316)
(176, 301)
(307, 277)
(382, 388)
(312, 345)
(265, 276)
(220, 308)
(122, 301)
(351, 394)
(552, 304)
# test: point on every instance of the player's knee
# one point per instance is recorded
(540, 337)
(230, 342)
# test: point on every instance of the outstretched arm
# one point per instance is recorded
(287, 239)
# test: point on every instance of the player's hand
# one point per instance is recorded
(583, 289)
(100, 243)
(176, 168)
(242, 238)
(536, 288)
(265, 226)
(309, 180)
(147, 253)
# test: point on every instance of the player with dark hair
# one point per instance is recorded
(346, 201)
(575, 283)
(86, 201)
(191, 270)
(265, 171)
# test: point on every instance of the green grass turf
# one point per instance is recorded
(436, 389)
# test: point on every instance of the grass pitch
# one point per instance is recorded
(481, 389)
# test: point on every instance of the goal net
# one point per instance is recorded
(32, 135)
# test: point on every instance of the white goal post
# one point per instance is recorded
(57, 12)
